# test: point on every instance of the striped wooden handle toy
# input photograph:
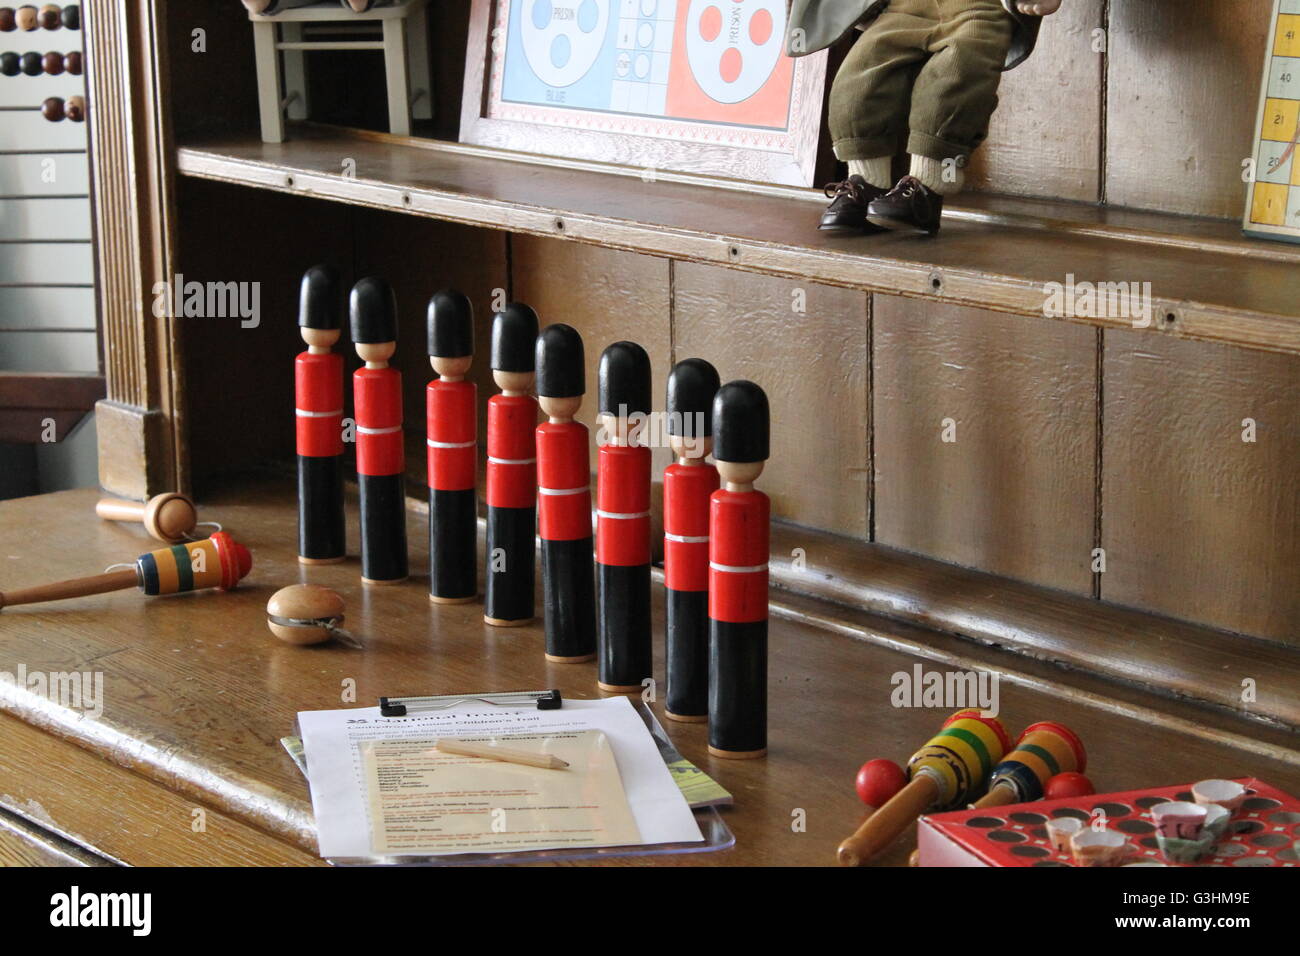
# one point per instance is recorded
(947, 772)
(1043, 750)
(216, 562)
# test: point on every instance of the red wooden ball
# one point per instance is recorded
(7, 19)
(1066, 785)
(50, 17)
(53, 109)
(52, 63)
(73, 62)
(878, 780)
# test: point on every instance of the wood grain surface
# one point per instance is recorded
(1012, 492)
(1197, 292)
(1198, 522)
(807, 346)
(198, 693)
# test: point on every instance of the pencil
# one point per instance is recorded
(465, 749)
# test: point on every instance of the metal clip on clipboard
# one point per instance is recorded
(401, 706)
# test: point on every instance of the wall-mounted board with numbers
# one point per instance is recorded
(1273, 207)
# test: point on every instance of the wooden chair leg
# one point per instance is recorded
(270, 91)
(399, 92)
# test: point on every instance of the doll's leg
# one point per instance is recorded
(956, 92)
(867, 110)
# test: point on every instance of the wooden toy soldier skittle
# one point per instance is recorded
(511, 470)
(688, 483)
(377, 396)
(739, 519)
(318, 414)
(564, 489)
(623, 520)
(451, 405)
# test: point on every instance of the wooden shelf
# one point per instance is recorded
(1206, 282)
(199, 693)
(27, 399)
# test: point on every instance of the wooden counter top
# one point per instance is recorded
(197, 694)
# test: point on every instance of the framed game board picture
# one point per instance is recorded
(1273, 207)
(700, 86)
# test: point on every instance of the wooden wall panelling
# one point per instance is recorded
(814, 367)
(139, 423)
(419, 257)
(41, 218)
(607, 295)
(1197, 523)
(1045, 138)
(47, 262)
(1014, 493)
(240, 380)
(1183, 92)
(44, 174)
(225, 63)
(49, 351)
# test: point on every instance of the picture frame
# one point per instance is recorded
(616, 81)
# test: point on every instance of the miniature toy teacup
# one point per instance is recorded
(1179, 819)
(1099, 848)
(1224, 793)
(1061, 830)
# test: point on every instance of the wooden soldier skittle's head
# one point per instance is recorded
(692, 385)
(561, 372)
(374, 321)
(741, 427)
(451, 334)
(514, 344)
(624, 391)
(320, 319)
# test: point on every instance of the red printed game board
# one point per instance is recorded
(1264, 832)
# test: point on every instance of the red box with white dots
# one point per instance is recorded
(1264, 831)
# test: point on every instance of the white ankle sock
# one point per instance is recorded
(874, 171)
(944, 179)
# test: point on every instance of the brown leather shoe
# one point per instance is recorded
(847, 212)
(909, 205)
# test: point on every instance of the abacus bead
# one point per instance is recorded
(53, 63)
(9, 63)
(32, 64)
(52, 109)
(26, 18)
(73, 62)
(76, 109)
(7, 19)
(72, 17)
(50, 17)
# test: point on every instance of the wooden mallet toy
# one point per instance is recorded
(949, 771)
(1043, 750)
(564, 498)
(688, 483)
(168, 517)
(216, 562)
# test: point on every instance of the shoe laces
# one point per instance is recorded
(847, 188)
